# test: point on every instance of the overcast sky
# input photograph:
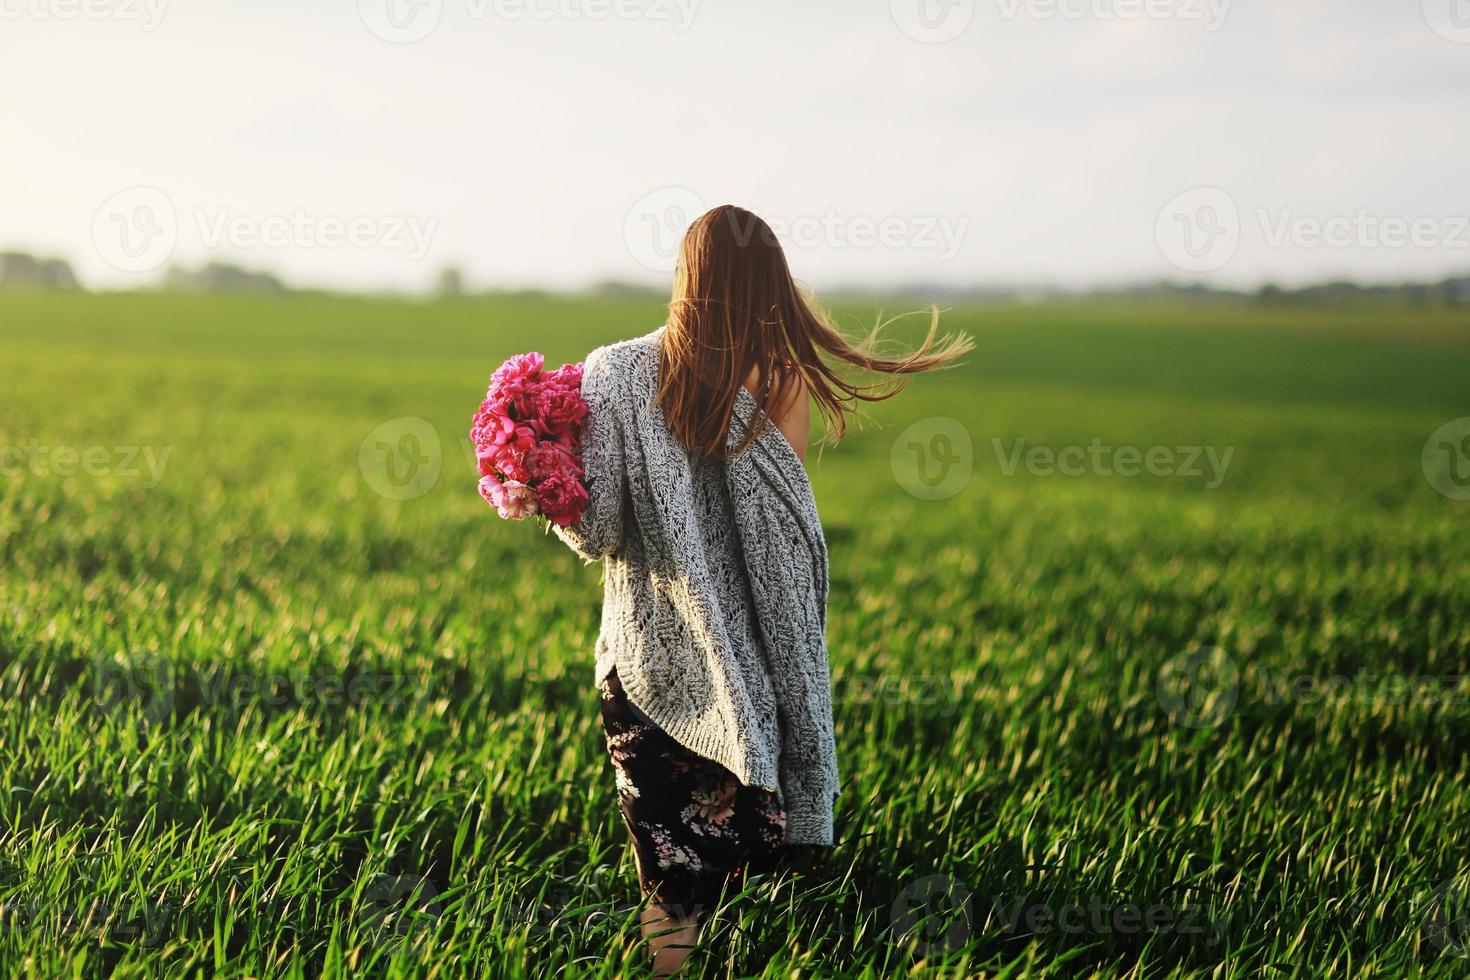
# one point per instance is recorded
(367, 143)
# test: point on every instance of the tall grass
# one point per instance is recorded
(260, 719)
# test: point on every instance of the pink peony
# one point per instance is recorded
(562, 498)
(553, 457)
(510, 454)
(567, 376)
(520, 366)
(562, 410)
(514, 500)
(526, 435)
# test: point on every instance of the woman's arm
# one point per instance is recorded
(794, 416)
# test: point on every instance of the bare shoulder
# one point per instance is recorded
(790, 410)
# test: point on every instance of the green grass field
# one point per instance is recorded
(260, 718)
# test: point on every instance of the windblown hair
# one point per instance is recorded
(736, 309)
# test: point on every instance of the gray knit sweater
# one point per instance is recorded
(715, 587)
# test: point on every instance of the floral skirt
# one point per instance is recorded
(696, 829)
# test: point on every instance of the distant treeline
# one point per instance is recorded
(1445, 292)
(29, 272)
(22, 270)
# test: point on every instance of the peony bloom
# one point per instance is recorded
(562, 498)
(526, 434)
(519, 366)
(567, 376)
(511, 451)
(514, 500)
(553, 457)
(562, 410)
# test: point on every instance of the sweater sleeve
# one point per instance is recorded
(600, 532)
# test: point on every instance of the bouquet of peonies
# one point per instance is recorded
(527, 437)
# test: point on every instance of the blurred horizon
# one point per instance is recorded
(1024, 145)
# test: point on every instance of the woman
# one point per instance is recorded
(711, 660)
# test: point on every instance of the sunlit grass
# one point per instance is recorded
(260, 720)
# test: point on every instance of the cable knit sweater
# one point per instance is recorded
(715, 587)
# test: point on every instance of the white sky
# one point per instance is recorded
(1045, 147)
